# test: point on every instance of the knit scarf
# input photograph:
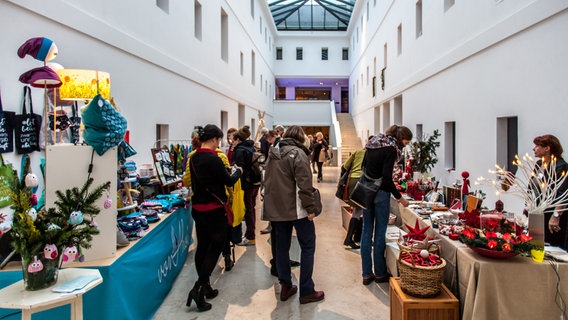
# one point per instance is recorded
(381, 140)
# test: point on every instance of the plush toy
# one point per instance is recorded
(35, 266)
(52, 227)
(70, 254)
(50, 251)
(75, 217)
(465, 185)
(42, 49)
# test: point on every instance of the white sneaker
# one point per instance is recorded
(246, 242)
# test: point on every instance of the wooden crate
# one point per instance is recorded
(404, 307)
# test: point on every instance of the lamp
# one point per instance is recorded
(83, 84)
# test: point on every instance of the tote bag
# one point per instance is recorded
(238, 203)
(6, 129)
(27, 126)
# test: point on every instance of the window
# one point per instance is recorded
(260, 83)
(252, 8)
(398, 110)
(399, 39)
(164, 5)
(418, 18)
(242, 63)
(324, 53)
(448, 4)
(450, 145)
(345, 54)
(367, 10)
(265, 87)
(419, 130)
(374, 86)
(260, 19)
(507, 142)
(299, 54)
(224, 36)
(252, 67)
(162, 132)
(367, 75)
(265, 36)
(385, 54)
(386, 116)
(278, 53)
(197, 19)
(357, 35)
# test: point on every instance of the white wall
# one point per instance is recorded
(475, 62)
(160, 73)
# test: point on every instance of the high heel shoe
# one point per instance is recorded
(351, 243)
(198, 295)
(210, 293)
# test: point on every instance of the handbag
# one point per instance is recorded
(365, 190)
(6, 129)
(75, 124)
(27, 126)
(343, 185)
(228, 207)
(317, 201)
(7, 176)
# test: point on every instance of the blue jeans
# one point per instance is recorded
(306, 233)
(375, 222)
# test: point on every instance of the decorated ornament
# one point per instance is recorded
(50, 251)
(35, 266)
(465, 185)
(31, 180)
(76, 217)
(108, 201)
(32, 213)
(33, 199)
(424, 253)
(52, 227)
(70, 254)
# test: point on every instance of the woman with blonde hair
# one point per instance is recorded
(320, 149)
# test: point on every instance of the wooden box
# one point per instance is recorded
(404, 307)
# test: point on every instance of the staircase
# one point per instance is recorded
(349, 138)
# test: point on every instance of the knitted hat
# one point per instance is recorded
(243, 133)
(42, 77)
(210, 131)
(42, 49)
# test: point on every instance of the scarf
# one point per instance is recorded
(381, 140)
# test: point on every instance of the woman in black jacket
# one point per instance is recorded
(209, 178)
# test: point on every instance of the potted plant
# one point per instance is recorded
(423, 152)
(46, 238)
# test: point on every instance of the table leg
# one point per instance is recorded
(26, 314)
(77, 308)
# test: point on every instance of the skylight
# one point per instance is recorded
(308, 15)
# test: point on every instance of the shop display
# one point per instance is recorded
(421, 272)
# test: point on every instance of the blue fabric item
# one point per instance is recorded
(377, 219)
(168, 201)
(104, 126)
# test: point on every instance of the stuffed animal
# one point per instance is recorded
(70, 254)
(75, 217)
(35, 266)
(50, 251)
(31, 180)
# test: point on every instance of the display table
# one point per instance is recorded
(16, 297)
(517, 288)
(137, 280)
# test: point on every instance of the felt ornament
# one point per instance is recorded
(31, 180)
(53, 227)
(108, 201)
(32, 213)
(70, 254)
(75, 217)
(35, 266)
(50, 251)
(465, 185)
(416, 233)
(33, 199)
(42, 49)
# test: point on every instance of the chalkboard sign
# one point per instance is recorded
(27, 126)
(6, 129)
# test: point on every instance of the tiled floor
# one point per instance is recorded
(250, 292)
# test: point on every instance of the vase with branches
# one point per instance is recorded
(423, 152)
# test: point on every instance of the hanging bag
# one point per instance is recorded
(27, 126)
(7, 176)
(6, 129)
(75, 123)
(365, 190)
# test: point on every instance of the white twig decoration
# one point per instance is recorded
(536, 185)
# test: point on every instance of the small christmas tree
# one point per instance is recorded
(423, 152)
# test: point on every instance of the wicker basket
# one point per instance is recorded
(419, 281)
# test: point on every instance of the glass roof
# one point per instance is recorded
(307, 15)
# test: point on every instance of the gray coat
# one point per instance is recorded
(287, 183)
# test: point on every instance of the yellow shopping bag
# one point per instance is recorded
(238, 203)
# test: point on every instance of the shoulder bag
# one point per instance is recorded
(317, 201)
(365, 190)
(228, 207)
(6, 130)
(343, 185)
(27, 126)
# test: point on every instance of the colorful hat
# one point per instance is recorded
(42, 49)
(42, 77)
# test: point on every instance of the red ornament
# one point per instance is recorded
(465, 185)
(416, 233)
(454, 236)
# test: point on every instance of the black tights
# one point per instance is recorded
(211, 230)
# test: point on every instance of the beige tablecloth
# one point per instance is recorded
(515, 289)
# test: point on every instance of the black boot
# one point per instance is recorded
(198, 295)
(210, 293)
(358, 230)
(229, 264)
(349, 238)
